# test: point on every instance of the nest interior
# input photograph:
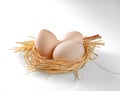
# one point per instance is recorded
(36, 62)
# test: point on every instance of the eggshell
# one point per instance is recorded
(74, 35)
(70, 49)
(46, 42)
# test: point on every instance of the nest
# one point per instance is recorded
(36, 62)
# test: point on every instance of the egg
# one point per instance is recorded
(74, 35)
(45, 42)
(70, 49)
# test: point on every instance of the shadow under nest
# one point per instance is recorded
(36, 62)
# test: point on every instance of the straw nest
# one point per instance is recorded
(36, 62)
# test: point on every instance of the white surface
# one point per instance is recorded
(20, 18)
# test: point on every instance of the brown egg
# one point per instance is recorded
(74, 35)
(46, 42)
(70, 49)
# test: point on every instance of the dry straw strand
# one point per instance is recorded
(36, 62)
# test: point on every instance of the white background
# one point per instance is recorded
(20, 18)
